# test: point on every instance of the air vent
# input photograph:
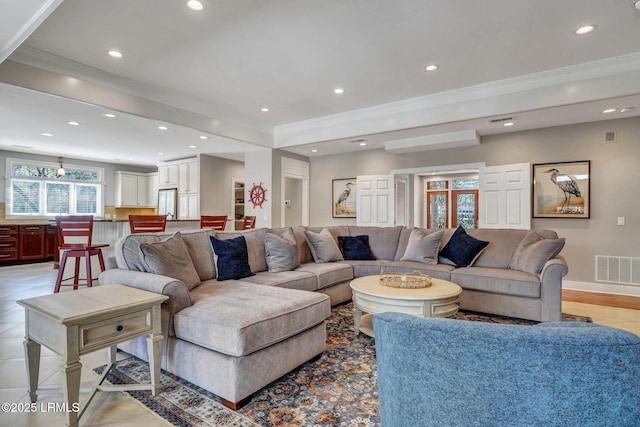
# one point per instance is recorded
(615, 269)
(502, 119)
(356, 141)
(610, 136)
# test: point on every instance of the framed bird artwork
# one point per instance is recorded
(344, 198)
(561, 190)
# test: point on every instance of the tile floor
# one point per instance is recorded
(118, 409)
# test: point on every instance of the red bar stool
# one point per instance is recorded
(74, 239)
(147, 223)
(216, 222)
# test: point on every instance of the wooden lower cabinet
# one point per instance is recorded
(8, 243)
(27, 243)
(31, 242)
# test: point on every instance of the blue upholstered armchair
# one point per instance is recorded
(444, 372)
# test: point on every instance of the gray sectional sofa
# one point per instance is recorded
(234, 336)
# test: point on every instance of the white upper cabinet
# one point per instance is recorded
(136, 190)
(168, 176)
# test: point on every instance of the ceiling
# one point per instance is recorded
(210, 73)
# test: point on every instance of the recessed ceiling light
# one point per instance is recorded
(109, 115)
(161, 152)
(627, 109)
(196, 5)
(338, 91)
(431, 67)
(264, 109)
(585, 29)
(72, 123)
(609, 110)
(362, 144)
(163, 127)
(508, 124)
(314, 151)
(204, 137)
(46, 134)
(115, 54)
(193, 146)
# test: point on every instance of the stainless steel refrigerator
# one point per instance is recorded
(167, 200)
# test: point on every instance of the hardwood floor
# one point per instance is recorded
(117, 409)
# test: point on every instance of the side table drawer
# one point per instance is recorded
(113, 331)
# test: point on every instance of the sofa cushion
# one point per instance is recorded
(355, 247)
(497, 280)
(304, 254)
(285, 279)
(364, 268)
(383, 241)
(328, 274)
(232, 258)
(281, 252)
(423, 247)
(323, 246)
(201, 252)
(462, 249)
(127, 250)
(503, 243)
(171, 258)
(254, 239)
(534, 251)
(238, 318)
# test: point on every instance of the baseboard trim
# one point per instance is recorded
(600, 298)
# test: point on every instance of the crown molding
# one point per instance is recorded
(592, 81)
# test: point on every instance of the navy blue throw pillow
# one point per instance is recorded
(355, 247)
(462, 249)
(233, 259)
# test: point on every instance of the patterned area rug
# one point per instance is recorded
(338, 389)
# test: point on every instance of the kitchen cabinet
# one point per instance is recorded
(50, 242)
(136, 190)
(27, 243)
(168, 176)
(188, 190)
(31, 242)
(184, 175)
(9, 243)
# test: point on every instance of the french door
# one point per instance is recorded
(449, 204)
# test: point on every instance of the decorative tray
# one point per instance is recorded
(413, 280)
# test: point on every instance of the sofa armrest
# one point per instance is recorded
(177, 291)
(551, 288)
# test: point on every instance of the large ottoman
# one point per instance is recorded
(238, 337)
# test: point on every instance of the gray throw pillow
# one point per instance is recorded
(423, 247)
(534, 251)
(171, 258)
(281, 252)
(322, 246)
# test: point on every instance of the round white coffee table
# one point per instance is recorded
(369, 296)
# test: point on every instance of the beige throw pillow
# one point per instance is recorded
(322, 246)
(281, 252)
(534, 251)
(171, 258)
(423, 247)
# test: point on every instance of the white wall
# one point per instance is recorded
(258, 171)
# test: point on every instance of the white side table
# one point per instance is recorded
(78, 322)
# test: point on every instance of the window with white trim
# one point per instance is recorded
(34, 189)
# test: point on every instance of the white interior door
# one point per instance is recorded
(505, 196)
(402, 200)
(374, 202)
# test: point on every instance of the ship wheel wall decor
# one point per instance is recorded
(257, 195)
